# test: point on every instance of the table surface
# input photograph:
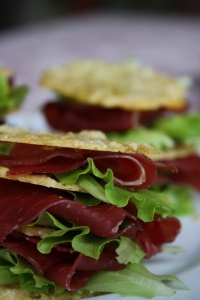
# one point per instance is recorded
(170, 44)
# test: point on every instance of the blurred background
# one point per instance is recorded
(22, 12)
(38, 34)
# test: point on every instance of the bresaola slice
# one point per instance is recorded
(68, 270)
(76, 276)
(63, 115)
(19, 208)
(155, 233)
(188, 171)
(132, 171)
(66, 116)
(25, 202)
(102, 235)
(103, 220)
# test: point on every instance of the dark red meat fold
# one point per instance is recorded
(156, 233)
(65, 269)
(69, 116)
(72, 116)
(103, 220)
(22, 203)
(25, 158)
(188, 171)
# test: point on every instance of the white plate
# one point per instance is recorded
(186, 265)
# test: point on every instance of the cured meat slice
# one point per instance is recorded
(25, 202)
(69, 116)
(76, 275)
(21, 203)
(29, 251)
(103, 220)
(68, 270)
(130, 170)
(72, 116)
(188, 171)
(156, 233)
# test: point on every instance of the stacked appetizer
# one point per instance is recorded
(131, 103)
(79, 217)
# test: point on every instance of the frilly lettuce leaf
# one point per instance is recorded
(135, 280)
(15, 270)
(141, 135)
(83, 241)
(101, 187)
(128, 251)
(184, 127)
(181, 198)
(80, 237)
(10, 96)
(149, 203)
(165, 132)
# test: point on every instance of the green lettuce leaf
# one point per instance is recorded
(83, 240)
(184, 128)
(101, 186)
(141, 135)
(5, 148)
(7, 260)
(128, 251)
(135, 280)
(181, 198)
(80, 237)
(149, 203)
(165, 132)
(10, 97)
(17, 271)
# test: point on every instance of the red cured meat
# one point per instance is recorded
(103, 220)
(21, 203)
(29, 251)
(188, 171)
(127, 168)
(73, 116)
(68, 116)
(156, 233)
(68, 270)
(82, 269)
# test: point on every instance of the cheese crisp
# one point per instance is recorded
(39, 179)
(16, 293)
(129, 86)
(88, 140)
(174, 153)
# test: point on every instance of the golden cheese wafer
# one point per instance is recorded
(129, 86)
(89, 140)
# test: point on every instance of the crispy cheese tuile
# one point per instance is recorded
(129, 86)
(88, 140)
